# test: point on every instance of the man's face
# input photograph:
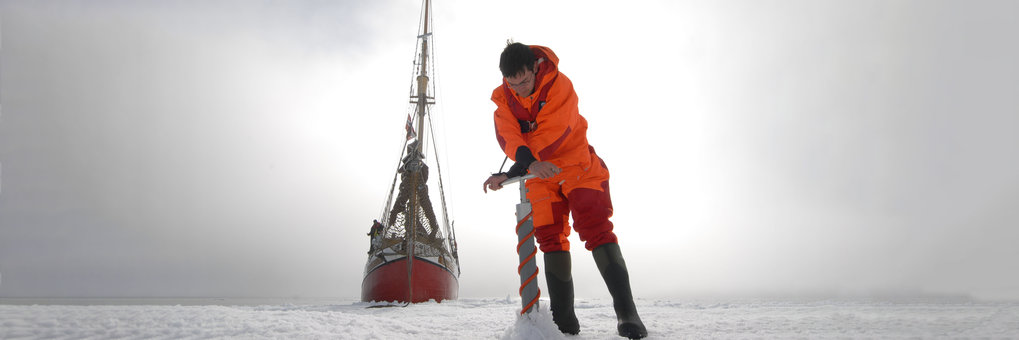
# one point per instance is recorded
(522, 83)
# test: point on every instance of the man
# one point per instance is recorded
(376, 236)
(539, 126)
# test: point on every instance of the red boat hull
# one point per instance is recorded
(427, 281)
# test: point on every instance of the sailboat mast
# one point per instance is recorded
(422, 108)
(422, 78)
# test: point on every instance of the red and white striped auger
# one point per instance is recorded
(526, 250)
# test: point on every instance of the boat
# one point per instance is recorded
(413, 253)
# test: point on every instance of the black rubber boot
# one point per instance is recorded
(617, 279)
(558, 269)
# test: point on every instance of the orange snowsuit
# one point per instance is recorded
(549, 123)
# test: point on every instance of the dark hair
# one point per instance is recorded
(515, 58)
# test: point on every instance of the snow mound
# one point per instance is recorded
(533, 325)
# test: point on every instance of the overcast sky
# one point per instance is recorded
(238, 148)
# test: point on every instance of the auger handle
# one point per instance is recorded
(517, 179)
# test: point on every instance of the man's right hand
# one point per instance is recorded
(494, 182)
(544, 170)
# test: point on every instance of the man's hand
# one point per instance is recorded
(544, 170)
(494, 182)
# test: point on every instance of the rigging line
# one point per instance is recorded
(413, 70)
(412, 111)
(442, 191)
(422, 17)
(435, 86)
(392, 188)
(414, 62)
(436, 90)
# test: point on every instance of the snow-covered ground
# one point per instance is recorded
(497, 318)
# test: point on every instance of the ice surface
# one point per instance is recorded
(497, 318)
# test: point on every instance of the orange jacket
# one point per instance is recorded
(548, 121)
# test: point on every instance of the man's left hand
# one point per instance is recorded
(494, 182)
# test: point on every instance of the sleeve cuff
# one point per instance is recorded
(524, 158)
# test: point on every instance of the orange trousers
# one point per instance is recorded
(578, 191)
